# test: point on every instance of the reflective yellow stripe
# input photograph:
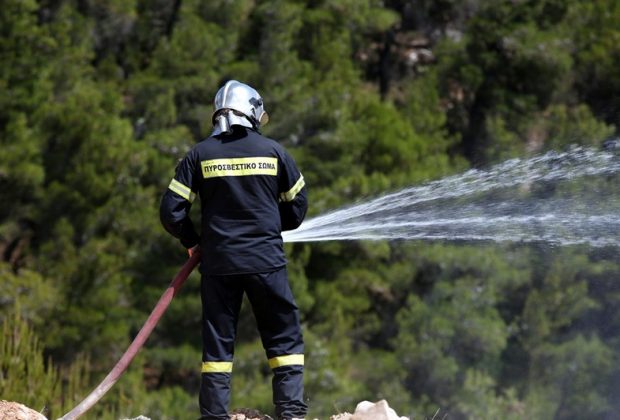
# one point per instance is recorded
(182, 190)
(216, 367)
(290, 359)
(239, 167)
(290, 194)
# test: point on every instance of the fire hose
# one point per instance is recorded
(138, 341)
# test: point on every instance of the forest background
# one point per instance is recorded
(100, 98)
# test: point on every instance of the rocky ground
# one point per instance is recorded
(15, 411)
(364, 411)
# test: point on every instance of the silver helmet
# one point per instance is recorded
(237, 104)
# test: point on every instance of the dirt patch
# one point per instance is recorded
(16, 411)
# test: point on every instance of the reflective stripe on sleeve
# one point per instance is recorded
(216, 367)
(290, 359)
(292, 193)
(182, 190)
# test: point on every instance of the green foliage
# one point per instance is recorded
(478, 399)
(24, 374)
(596, 44)
(27, 377)
(99, 100)
(577, 374)
(37, 297)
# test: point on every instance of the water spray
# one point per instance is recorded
(503, 203)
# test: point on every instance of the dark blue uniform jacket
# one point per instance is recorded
(250, 190)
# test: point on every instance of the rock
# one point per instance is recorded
(16, 411)
(375, 411)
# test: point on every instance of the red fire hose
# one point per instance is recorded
(138, 342)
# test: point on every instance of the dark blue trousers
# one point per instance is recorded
(277, 317)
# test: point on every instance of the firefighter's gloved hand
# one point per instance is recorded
(191, 251)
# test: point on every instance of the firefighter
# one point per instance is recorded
(250, 191)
